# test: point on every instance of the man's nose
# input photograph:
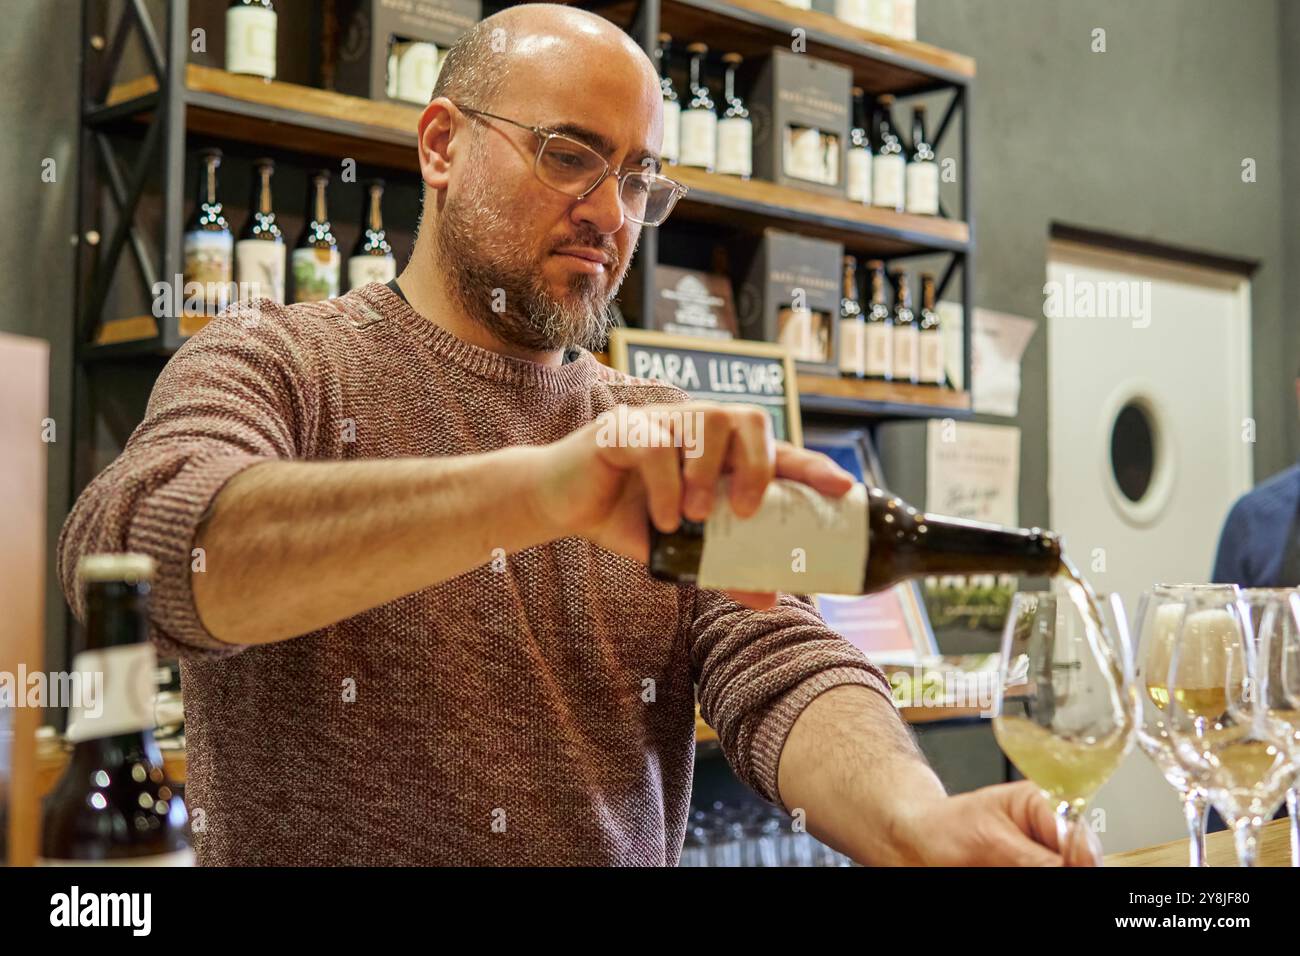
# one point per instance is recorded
(602, 207)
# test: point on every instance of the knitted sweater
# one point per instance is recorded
(540, 715)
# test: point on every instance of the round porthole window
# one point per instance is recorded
(1133, 451)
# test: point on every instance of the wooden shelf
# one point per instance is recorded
(880, 63)
(864, 230)
(846, 396)
(246, 109)
(249, 110)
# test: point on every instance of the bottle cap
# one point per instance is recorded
(116, 567)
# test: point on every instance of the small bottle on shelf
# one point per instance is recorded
(209, 250)
(372, 258)
(852, 324)
(878, 342)
(922, 170)
(853, 12)
(859, 153)
(250, 38)
(671, 148)
(888, 165)
(933, 371)
(735, 131)
(316, 257)
(699, 121)
(907, 342)
(259, 252)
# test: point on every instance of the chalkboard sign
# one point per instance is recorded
(755, 373)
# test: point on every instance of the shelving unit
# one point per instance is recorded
(176, 99)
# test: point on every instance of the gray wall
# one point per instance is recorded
(38, 113)
(1145, 140)
(1289, 45)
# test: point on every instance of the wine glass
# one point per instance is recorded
(1216, 720)
(1158, 614)
(1064, 712)
(1275, 614)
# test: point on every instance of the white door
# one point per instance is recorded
(1149, 444)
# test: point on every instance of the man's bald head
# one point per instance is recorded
(499, 49)
(534, 262)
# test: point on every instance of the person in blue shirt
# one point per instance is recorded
(1259, 546)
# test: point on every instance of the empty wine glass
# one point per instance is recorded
(1064, 713)
(1219, 729)
(1158, 615)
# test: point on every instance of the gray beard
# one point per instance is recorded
(502, 290)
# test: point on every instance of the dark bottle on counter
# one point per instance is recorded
(114, 805)
(802, 542)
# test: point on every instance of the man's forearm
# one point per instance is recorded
(291, 547)
(851, 765)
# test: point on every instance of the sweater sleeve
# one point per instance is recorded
(757, 670)
(237, 394)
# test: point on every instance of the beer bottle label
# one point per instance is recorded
(799, 541)
(116, 692)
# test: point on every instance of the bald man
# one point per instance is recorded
(406, 577)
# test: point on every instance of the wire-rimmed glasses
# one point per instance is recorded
(570, 166)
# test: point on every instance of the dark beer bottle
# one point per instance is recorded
(802, 542)
(114, 805)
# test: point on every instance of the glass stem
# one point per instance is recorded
(1293, 808)
(1069, 818)
(1195, 811)
(1245, 834)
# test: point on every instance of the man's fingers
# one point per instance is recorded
(701, 470)
(812, 468)
(752, 459)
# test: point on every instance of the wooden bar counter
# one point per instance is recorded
(1274, 850)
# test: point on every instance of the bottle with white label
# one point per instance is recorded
(316, 257)
(922, 170)
(853, 12)
(699, 121)
(250, 38)
(860, 543)
(259, 251)
(888, 165)
(880, 16)
(671, 149)
(735, 130)
(907, 336)
(412, 70)
(878, 328)
(208, 250)
(114, 805)
(933, 371)
(852, 324)
(372, 257)
(858, 163)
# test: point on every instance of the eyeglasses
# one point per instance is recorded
(575, 169)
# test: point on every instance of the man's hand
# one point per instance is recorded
(664, 461)
(1010, 824)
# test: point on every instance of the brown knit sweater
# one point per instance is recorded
(499, 718)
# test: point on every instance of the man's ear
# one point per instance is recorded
(434, 145)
